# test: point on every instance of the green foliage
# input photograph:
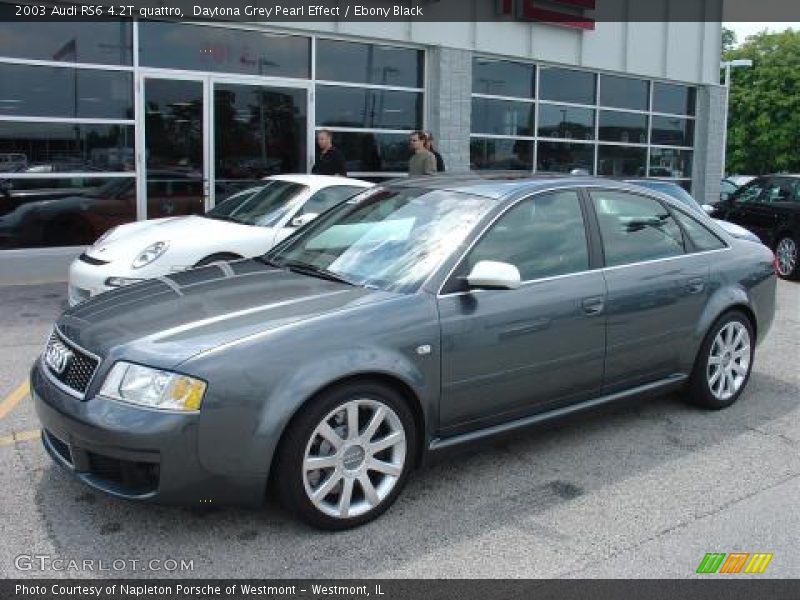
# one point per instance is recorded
(764, 118)
(728, 39)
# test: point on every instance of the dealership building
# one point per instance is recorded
(103, 123)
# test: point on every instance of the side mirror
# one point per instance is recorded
(709, 209)
(303, 219)
(494, 275)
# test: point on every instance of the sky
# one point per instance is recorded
(744, 29)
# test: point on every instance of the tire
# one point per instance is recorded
(787, 254)
(217, 258)
(723, 364)
(347, 462)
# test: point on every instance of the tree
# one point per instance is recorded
(728, 40)
(764, 118)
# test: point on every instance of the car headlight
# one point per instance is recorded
(149, 254)
(153, 388)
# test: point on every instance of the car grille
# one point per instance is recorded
(60, 447)
(92, 261)
(135, 477)
(79, 369)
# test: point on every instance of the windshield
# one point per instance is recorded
(265, 207)
(675, 191)
(391, 239)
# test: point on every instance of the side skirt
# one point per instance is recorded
(660, 386)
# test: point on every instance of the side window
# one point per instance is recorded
(778, 190)
(635, 228)
(751, 191)
(702, 238)
(542, 236)
(328, 197)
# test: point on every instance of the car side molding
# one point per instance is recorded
(443, 443)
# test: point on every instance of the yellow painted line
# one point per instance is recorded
(20, 436)
(10, 401)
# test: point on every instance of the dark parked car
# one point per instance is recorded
(770, 207)
(413, 317)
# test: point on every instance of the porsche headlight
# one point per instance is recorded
(153, 388)
(149, 254)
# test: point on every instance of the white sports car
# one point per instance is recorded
(246, 224)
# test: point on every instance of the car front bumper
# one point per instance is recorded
(131, 452)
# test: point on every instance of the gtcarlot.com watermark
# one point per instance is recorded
(47, 562)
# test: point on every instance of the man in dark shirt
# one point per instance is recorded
(429, 146)
(331, 160)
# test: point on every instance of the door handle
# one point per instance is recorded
(593, 305)
(695, 285)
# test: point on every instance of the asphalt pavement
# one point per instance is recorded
(640, 491)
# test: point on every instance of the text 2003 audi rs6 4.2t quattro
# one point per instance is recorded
(410, 318)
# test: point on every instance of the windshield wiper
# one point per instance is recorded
(314, 271)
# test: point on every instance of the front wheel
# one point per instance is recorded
(723, 365)
(346, 457)
(786, 254)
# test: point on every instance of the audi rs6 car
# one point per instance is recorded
(412, 317)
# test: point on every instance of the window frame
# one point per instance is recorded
(450, 284)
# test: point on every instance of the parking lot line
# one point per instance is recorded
(20, 436)
(10, 401)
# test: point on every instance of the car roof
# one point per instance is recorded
(316, 182)
(500, 184)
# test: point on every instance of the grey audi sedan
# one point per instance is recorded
(416, 316)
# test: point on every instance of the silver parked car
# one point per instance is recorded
(415, 316)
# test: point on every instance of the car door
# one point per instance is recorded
(656, 289)
(770, 214)
(745, 206)
(506, 353)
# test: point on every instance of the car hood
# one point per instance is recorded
(737, 231)
(167, 320)
(128, 241)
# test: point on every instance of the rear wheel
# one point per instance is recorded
(786, 253)
(346, 457)
(723, 365)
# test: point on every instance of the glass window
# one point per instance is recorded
(673, 99)
(779, 190)
(500, 154)
(72, 211)
(543, 236)
(673, 189)
(751, 192)
(65, 92)
(259, 131)
(622, 127)
(701, 237)
(564, 85)
(567, 122)
(100, 42)
(358, 107)
(503, 78)
(390, 239)
(669, 162)
(369, 63)
(502, 117)
(65, 147)
(264, 208)
(621, 161)
(624, 92)
(672, 131)
(564, 157)
(373, 152)
(201, 48)
(635, 228)
(329, 197)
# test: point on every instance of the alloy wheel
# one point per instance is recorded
(786, 253)
(354, 458)
(729, 360)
